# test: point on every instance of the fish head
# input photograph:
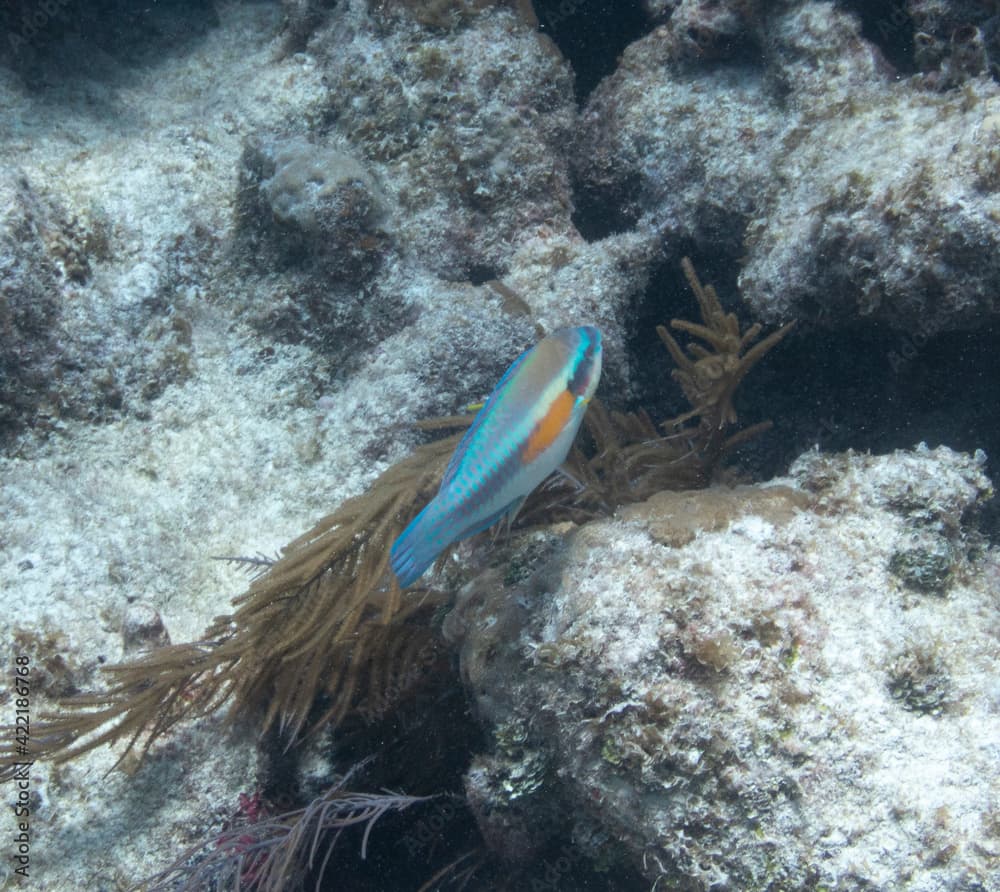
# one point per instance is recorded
(583, 350)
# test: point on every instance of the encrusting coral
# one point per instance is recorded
(324, 628)
(730, 689)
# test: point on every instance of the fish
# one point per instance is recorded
(520, 436)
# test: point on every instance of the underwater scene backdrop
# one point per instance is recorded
(260, 265)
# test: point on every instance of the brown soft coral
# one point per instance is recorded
(709, 378)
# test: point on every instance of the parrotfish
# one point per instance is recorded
(521, 435)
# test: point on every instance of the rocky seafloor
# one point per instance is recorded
(243, 246)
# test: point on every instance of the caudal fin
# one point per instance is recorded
(415, 549)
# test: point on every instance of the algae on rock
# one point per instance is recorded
(733, 688)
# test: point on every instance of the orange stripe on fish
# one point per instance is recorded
(548, 429)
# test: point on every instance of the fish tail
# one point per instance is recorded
(417, 546)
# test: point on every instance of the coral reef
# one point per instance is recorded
(705, 30)
(322, 634)
(29, 306)
(729, 689)
(55, 362)
(309, 202)
(244, 246)
(846, 193)
(301, 19)
(309, 241)
(471, 157)
(321, 623)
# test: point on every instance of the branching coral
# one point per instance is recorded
(324, 629)
(630, 459)
(711, 377)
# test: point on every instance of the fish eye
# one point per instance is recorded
(577, 385)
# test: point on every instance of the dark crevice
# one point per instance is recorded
(480, 274)
(59, 41)
(596, 215)
(866, 387)
(591, 34)
(873, 388)
(887, 25)
(406, 849)
(668, 296)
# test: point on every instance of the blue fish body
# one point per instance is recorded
(520, 436)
